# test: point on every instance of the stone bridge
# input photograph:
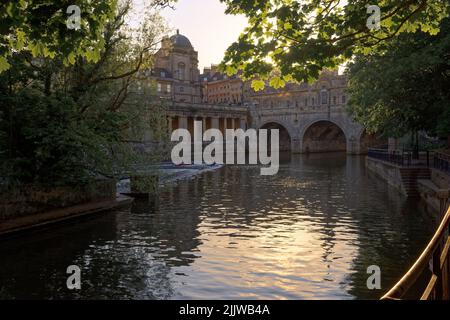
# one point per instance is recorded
(302, 129)
(313, 129)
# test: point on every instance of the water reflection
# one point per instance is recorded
(309, 232)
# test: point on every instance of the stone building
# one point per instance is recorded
(218, 88)
(310, 117)
(178, 80)
(176, 70)
(327, 91)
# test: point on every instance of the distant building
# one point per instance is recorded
(176, 70)
(328, 91)
(218, 88)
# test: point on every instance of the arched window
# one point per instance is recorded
(181, 71)
(324, 96)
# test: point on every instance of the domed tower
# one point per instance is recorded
(176, 66)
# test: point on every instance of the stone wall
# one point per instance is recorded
(388, 172)
(436, 191)
(31, 200)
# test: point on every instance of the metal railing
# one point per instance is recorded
(437, 160)
(398, 157)
(441, 161)
(436, 257)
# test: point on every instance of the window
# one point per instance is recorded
(163, 74)
(181, 71)
(169, 88)
(159, 87)
(334, 100)
(181, 89)
(344, 99)
(324, 96)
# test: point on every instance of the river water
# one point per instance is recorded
(309, 232)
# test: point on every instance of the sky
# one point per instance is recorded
(207, 26)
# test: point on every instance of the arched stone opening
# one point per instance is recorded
(285, 137)
(324, 136)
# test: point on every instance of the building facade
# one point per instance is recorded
(178, 80)
(327, 91)
(176, 70)
(310, 117)
(218, 88)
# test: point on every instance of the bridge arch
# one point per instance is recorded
(324, 135)
(285, 134)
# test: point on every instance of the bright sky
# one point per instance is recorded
(207, 26)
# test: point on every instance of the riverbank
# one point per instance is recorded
(168, 174)
(43, 219)
(421, 181)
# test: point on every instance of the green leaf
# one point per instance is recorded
(258, 85)
(277, 82)
(287, 26)
(230, 70)
(4, 64)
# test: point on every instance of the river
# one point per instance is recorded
(309, 232)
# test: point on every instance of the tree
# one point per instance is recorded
(40, 27)
(64, 124)
(405, 89)
(297, 39)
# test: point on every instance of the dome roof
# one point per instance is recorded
(180, 41)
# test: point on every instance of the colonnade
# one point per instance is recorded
(221, 123)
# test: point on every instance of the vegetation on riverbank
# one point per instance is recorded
(406, 88)
(73, 100)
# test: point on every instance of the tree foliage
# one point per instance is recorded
(66, 123)
(298, 39)
(405, 89)
(40, 27)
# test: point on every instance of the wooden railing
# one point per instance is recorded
(436, 257)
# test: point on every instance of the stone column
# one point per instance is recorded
(243, 124)
(215, 123)
(352, 146)
(182, 122)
